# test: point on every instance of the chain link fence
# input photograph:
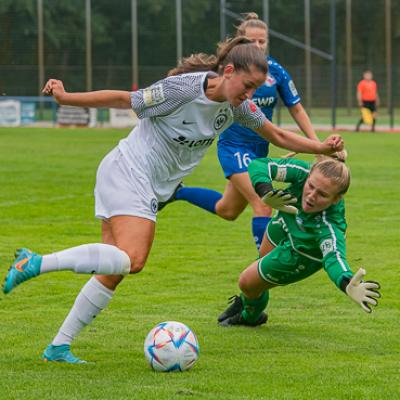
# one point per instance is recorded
(65, 44)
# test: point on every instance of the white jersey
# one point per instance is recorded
(178, 123)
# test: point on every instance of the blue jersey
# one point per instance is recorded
(266, 96)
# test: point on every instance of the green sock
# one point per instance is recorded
(252, 308)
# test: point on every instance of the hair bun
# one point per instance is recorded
(340, 155)
(250, 15)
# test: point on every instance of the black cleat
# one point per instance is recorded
(237, 319)
(236, 306)
(162, 204)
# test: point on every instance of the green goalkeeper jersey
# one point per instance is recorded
(318, 236)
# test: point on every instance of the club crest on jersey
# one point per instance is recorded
(270, 81)
(299, 222)
(154, 205)
(220, 119)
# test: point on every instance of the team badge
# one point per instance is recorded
(154, 205)
(220, 119)
(270, 81)
(299, 222)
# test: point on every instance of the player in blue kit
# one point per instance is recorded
(238, 145)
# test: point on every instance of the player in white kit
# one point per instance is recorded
(179, 118)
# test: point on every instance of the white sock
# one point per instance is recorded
(92, 298)
(98, 258)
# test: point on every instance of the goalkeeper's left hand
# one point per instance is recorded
(281, 201)
(363, 293)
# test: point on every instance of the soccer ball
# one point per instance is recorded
(171, 346)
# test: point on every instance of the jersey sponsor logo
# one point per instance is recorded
(326, 247)
(220, 119)
(270, 81)
(292, 88)
(153, 95)
(182, 140)
(154, 205)
(264, 101)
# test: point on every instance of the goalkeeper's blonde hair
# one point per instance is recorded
(335, 170)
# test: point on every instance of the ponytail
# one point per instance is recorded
(239, 51)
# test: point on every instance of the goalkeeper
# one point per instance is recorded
(306, 235)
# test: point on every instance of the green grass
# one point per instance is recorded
(317, 344)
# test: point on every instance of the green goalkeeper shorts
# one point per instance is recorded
(283, 265)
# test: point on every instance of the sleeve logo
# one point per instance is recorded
(293, 89)
(281, 173)
(253, 107)
(326, 247)
(153, 95)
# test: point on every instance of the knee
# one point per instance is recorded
(228, 214)
(137, 264)
(230, 217)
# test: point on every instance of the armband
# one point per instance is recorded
(262, 188)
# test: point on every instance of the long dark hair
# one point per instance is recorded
(239, 51)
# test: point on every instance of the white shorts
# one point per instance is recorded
(121, 191)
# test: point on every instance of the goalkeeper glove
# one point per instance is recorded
(363, 293)
(281, 201)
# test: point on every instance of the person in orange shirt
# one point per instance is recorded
(367, 97)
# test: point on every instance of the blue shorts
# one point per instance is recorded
(235, 157)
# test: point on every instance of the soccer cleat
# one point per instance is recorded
(162, 204)
(61, 354)
(237, 319)
(25, 266)
(236, 306)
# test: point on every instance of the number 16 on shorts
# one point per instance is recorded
(243, 160)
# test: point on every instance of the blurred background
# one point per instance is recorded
(127, 44)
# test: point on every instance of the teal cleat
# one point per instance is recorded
(61, 354)
(25, 266)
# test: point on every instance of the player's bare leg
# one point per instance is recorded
(132, 235)
(238, 193)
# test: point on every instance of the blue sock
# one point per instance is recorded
(258, 226)
(200, 197)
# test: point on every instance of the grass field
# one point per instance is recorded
(316, 345)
